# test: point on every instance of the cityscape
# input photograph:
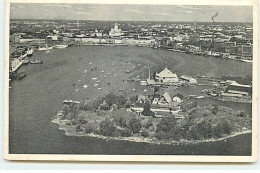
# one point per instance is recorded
(173, 87)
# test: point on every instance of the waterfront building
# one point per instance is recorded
(166, 76)
(188, 79)
(236, 88)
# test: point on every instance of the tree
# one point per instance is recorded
(135, 125)
(120, 121)
(107, 127)
(104, 106)
(133, 99)
(166, 124)
(147, 111)
(110, 98)
(121, 99)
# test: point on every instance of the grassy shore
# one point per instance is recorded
(70, 131)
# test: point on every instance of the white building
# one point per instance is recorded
(166, 76)
(115, 32)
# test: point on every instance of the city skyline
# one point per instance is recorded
(173, 13)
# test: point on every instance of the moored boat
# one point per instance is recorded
(44, 48)
(60, 46)
(36, 62)
(30, 52)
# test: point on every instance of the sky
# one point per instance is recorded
(131, 12)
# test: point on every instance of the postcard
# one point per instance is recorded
(134, 81)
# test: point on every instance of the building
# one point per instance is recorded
(164, 101)
(188, 79)
(115, 32)
(236, 88)
(166, 76)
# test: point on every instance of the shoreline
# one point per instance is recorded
(153, 141)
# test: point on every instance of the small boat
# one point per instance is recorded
(102, 71)
(108, 83)
(145, 90)
(104, 76)
(45, 48)
(85, 86)
(61, 46)
(108, 73)
(79, 80)
(94, 78)
(36, 62)
(30, 52)
(96, 85)
(77, 89)
(90, 63)
(133, 89)
(100, 88)
(114, 74)
(199, 97)
(98, 81)
(85, 71)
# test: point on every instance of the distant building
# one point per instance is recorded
(166, 76)
(115, 32)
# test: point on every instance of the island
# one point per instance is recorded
(116, 117)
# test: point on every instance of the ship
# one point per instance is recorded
(36, 62)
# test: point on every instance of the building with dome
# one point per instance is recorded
(166, 76)
(116, 31)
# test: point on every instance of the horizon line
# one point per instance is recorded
(139, 20)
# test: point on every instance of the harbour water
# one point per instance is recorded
(35, 100)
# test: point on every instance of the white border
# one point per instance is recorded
(142, 158)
